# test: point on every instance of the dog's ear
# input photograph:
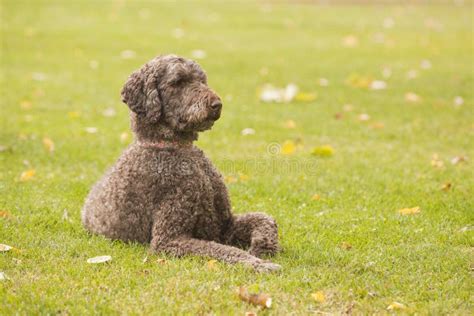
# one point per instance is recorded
(140, 93)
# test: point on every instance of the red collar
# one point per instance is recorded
(166, 144)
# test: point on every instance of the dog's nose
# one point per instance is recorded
(216, 105)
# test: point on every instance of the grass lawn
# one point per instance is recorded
(63, 64)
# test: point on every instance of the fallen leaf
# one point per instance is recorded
(378, 85)
(396, 306)
(458, 159)
(93, 64)
(305, 97)
(290, 124)
(358, 81)
(99, 259)
(350, 41)
(323, 82)
(347, 107)
(319, 296)
(3, 276)
(458, 101)
(161, 261)
(247, 131)
(412, 97)
(323, 151)
(363, 117)
(109, 112)
(409, 211)
(316, 197)
(288, 147)
(177, 33)
(250, 314)
(25, 104)
(91, 130)
(27, 175)
(436, 162)
(230, 179)
(338, 116)
(346, 246)
(425, 64)
(211, 264)
(74, 114)
(243, 177)
(48, 144)
(412, 74)
(271, 94)
(260, 299)
(124, 137)
(446, 186)
(5, 248)
(386, 72)
(38, 76)
(5, 214)
(198, 54)
(127, 54)
(377, 125)
(388, 23)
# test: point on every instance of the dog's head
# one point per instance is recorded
(172, 91)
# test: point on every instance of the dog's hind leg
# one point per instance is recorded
(256, 231)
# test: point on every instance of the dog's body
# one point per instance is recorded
(163, 190)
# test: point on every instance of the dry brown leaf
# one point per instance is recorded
(48, 144)
(346, 246)
(27, 175)
(5, 214)
(409, 211)
(316, 197)
(319, 296)
(446, 186)
(211, 264)
(458, 159)
(250, 314)
(161, 261)
(260, 299)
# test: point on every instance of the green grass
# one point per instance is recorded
(423, 261)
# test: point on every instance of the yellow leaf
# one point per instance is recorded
(74, 114)
(346, 246)
(230, 179)
(5, 214)
(316, 197)
(412, 97)
(288, 147)
(409, 211)
(211, 264)
(396, 306)
(319, 297)
(124, 137)
(290, 124)
(48, 144)
(306, 97)
(27, 175)
(323, 151)
(25, 104)
(243, 177)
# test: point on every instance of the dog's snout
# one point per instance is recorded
(216, 105)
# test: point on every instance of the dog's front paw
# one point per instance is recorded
(266, 267)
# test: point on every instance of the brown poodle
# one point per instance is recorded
(163, 190)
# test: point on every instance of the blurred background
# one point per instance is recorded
(336, 114)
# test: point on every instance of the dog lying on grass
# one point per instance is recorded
(163, 190)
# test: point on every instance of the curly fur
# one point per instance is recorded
(163, 190)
